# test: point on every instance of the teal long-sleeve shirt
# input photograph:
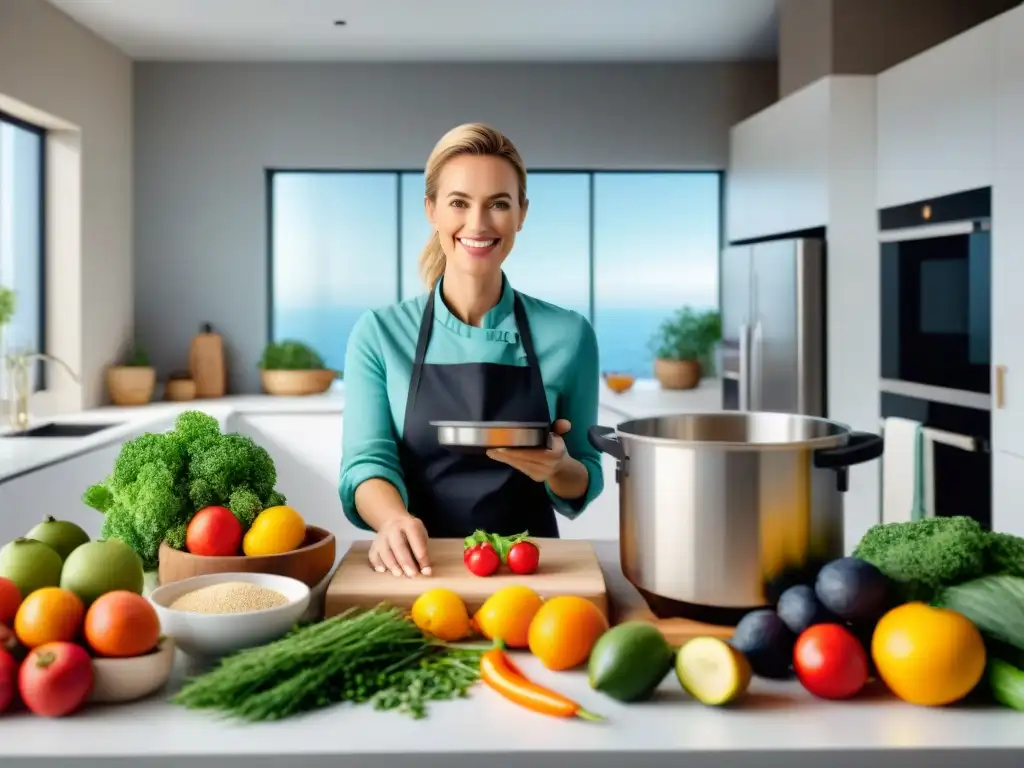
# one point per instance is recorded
(378, 368)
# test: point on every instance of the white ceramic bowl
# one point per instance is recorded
(216, 634)
(117, 680)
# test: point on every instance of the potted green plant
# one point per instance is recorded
(294, 368)
(132, 381)
(683, 346)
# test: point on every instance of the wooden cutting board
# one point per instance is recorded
(567, 567)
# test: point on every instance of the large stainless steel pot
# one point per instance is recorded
(716, 508)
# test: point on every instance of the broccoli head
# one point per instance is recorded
(1005, 554)
(923, 556)
(146, 450)
(195, 431)
(231, 463)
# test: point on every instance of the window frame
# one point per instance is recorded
(41, 324)
(271, 171)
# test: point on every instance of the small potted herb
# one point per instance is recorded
(132, 381)
(683, 346)
(294, 368)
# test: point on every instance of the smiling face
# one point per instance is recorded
(476, 213)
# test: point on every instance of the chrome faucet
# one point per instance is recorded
(18, 369)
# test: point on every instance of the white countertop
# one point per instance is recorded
(778, 721)
(25, 454)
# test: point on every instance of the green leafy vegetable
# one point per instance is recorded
(924, 556)
(376, 656)
(160, 480)
(290, 356)
(994, 604)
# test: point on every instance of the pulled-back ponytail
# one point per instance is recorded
(468, 139)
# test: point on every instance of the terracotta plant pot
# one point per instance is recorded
(180, 390)
(131, 384)
(677, 374)
(297, 382)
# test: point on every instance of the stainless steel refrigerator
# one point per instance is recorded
(773, 327)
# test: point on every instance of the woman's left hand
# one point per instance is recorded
(537, 463)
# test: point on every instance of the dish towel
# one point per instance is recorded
(902, 471)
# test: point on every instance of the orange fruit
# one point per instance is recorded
(506, 615)
(928, 656)
(441, 613)
(564, 631)
(49, 615)
(122, 623)
(10, 599)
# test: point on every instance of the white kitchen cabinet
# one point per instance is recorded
(777, 178)
(55, 490)
(306, 448)
(935, 119)
(1008, 247)
(1007, 493)
(600, 520)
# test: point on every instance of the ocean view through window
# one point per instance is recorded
(625, 249)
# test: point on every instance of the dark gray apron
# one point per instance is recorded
(454, 493)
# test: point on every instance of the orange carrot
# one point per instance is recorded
(498, 671)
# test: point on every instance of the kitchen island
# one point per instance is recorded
(777, 725)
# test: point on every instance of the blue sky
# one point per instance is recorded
(656, 244)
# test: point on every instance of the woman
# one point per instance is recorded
(471, 349)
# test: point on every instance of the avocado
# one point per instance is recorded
(712, 671)
(767, 643)
(799, 608)
(853, 589)
(629, 661)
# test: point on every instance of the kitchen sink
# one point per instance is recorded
(63, 430)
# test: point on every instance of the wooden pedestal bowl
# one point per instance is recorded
(310, 563)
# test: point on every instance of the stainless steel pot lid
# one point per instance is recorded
(493, 434)
(737, 429)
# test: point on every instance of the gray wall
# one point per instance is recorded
(205, 133)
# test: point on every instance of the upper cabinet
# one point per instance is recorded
(935, 116)
(778, 167)
(1008, 241)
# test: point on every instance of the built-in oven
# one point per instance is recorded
(936, 299)
(956, 462)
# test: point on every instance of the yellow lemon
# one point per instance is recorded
(506, 615)
(441, 613)
(274, 531)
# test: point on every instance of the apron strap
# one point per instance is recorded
(423, 340)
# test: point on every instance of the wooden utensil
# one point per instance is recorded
(567, 567)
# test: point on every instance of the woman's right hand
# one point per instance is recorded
(401, 547)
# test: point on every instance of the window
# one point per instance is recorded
(622, 248)
(656, 246)
(22, 172)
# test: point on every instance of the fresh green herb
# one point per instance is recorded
(375, 656)
(137, 357)
(8, 305)
(160, 480)
(290, 356)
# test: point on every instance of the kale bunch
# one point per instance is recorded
(160, 480)
(925, 556)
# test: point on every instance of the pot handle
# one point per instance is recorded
(605, 440)
(860, 448)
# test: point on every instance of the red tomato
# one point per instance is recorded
(482, 561)
(55, 679)
(214, 532)
(830, 662)
(10, 599)
(8, 679)
(523, 557)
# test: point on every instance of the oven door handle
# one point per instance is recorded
(932, 436)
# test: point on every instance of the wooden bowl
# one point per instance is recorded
(310, 563)
(118, 680)
(295, 383)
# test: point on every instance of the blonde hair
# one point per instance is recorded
(467, 139)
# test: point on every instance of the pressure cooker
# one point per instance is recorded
(717, 509)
